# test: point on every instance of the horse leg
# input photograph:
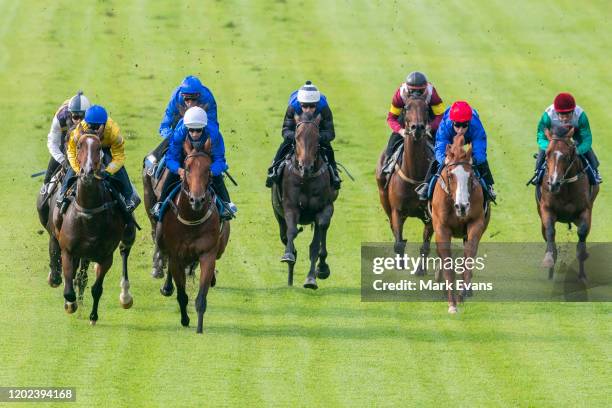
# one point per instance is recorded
(178, 272)
(168, 288)
(443, 242)
(158, 263)
(282, 226)
(548, 232)
(323, 271)
(315, 244)
(425, 248)
(55, 263)
(291, 219)
(97, 288)
(125, 298)
(69, 265)
(470, 248)
(81, 280)
(397, 226)
(207, 272)
(584, 227)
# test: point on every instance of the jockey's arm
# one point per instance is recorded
(116, 145)
(586, 138)
(541, 135)
(288, 131)
(54, 141)
(479, 142)
(219, 164)
(327, 132)
(168, 121)
(175, 149)
(443, 138)
(71, 149)
(394, 112)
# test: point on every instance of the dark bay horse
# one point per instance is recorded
(305, 196)
(566, 196)
(458, 211)
(92, 228)
(192, 231)
(397, 194)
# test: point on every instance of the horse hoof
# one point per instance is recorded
(127, 304)
(166, 292)
(185, 322)
(323, 271)
(157, 273)
(420, 272)
(54, 280)
(548, 261)
(92, 322)
(583, 279)
(452, 309)
(311, 283)
(213, 281)
(70, 307)
(288, 257)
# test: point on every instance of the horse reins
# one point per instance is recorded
(184, 189)
(444, 184)
(321, 169)
(578, 175)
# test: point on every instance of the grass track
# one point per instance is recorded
(266, 344)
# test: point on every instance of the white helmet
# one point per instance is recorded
(308, 93)
(195, 118)
(78, 103)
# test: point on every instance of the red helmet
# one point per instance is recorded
(460, 111)
(564, 102)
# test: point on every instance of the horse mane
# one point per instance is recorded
(457, 150)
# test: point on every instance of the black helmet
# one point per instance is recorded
(416, 79)
(79, 103)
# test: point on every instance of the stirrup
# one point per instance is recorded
(421, 190)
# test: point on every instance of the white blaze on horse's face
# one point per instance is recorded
(88, 168)
(462, 192)
(554, 176)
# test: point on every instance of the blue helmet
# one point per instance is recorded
(191, 85)
(96, 115)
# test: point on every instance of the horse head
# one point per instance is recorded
(560, 156)
(197, 173)
(89, 156)
(459, 175)
(306, 142)
(416, 116)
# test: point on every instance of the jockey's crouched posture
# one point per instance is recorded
(68, 115)
(189, 93)
(97, 121)
(306, 99)
(564, 112)
(461, 119)
(416, 85)
(196, 128)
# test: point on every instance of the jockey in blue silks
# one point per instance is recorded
(461, 119)
(188, 94)
(196, 127)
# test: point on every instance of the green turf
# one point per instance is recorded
(264, 343)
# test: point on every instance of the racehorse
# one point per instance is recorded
(458, 211)
(305, 196)
(397, 193)
(92, 228)
(566, 196)
(192, 231)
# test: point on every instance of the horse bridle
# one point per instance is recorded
(184, 186)
(572, 145)
(321, 169)
(412, 133)
(445, 184)
(185, 190)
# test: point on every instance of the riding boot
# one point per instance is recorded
(423, 189)
(283, 150)
(169, 184)
(594, 165)
(62, 197)
(540, 158)
(485, 174)
(333, 166)
(51, 169)
(229, 209)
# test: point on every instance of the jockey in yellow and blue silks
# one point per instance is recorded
(97, 121)
(188, 94)
(565, 113)
(196, 128)
(461, 119)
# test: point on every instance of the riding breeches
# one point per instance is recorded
(394, 140)
(159, 151)
(485, 172)
(218, 184)
(51, 169)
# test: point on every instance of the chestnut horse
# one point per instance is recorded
(305, 196)
(458, 211)
(92, 228)
(192, 231)
(566, 196)
(397, 194)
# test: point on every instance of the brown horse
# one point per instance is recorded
(305, 196)
(92, 228)
(192, 231)
(397, 194)
(566, 196)
(458, 211)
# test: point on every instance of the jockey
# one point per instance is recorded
(306, 99)
(564, 112)
(461, 120)
(196, 127)
(97, 121)
(416, 84)
(189, 93)
(67, 116)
